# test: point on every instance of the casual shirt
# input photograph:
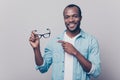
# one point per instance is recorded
(54, 54)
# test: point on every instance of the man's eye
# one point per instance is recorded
(76, 16)
(66, 17)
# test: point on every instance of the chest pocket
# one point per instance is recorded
(56, 57)
(83, 51)
(82, 48)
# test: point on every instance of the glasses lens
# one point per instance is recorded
(46, 35)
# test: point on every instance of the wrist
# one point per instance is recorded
(37, 47)
(75, 53)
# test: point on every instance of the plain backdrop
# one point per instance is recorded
(18, 18)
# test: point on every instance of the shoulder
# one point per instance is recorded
(89, 37)
(56, 38)
(53, 42)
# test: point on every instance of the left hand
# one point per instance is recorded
(68, 47)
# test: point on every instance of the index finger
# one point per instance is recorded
(33, 31)
(61, 41)
(33, 34)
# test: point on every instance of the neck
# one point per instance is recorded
(72, 34)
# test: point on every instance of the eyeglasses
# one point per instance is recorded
(45, 35)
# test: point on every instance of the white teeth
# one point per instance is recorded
(71, 24)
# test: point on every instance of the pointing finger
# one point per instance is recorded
(61, 41)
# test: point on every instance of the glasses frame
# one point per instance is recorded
(43, 35)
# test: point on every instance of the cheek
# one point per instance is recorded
(66, 21)
(77, 20)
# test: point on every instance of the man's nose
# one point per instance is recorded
(71, 19)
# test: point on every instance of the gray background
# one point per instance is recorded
(101, 18)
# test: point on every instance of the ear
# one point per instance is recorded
(80, 18)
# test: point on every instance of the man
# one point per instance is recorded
(74, 54)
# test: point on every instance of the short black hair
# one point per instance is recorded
(73, 5)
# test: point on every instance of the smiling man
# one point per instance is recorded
(74, 54)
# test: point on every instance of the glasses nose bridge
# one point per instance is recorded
(42, 35)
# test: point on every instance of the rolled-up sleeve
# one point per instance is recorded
(38, 67)
(94, 57)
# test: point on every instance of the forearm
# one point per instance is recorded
(86, 64)
(38, 56)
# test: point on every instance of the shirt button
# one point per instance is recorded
(62, 61)
(63, 71)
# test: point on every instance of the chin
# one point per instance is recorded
(72, 29)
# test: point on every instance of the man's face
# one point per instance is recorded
(72, 19)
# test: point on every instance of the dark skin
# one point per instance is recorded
(35, 43)
(72, 21)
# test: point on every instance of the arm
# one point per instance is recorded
(35, 43)
(86, 64)
(43, 63)
(38, 57)
(70, 49)
(90, 65)
(94, 58)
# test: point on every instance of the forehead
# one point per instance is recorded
(71, 10)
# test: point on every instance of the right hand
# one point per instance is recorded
(34, 40)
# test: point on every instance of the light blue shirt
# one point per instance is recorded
(86, 44)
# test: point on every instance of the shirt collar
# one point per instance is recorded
(81, 34)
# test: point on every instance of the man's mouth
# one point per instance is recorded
(71, 25)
